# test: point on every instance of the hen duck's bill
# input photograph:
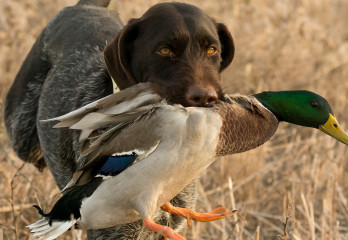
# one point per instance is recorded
(332, 128)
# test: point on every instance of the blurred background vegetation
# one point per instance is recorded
(293, 187)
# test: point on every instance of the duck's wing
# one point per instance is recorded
(142, 94)
(106, 166)
(102, 121)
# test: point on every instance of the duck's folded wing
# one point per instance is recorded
(142, 94)
(105, 166)
(101, 123)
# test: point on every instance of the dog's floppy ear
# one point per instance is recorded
(227, 45)
(117, 55)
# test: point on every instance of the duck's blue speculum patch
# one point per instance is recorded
(116, 164)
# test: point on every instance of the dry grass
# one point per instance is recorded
(293, 187)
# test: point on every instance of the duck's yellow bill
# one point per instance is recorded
(332, 128)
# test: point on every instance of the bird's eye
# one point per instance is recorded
(315, 104)
(211, 50)
(164, 51)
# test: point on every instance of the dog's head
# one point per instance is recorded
(177, 46)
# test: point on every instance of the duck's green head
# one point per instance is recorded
(303, 108)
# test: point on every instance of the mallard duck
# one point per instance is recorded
(128, 173)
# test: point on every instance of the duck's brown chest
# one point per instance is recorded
(245, 126)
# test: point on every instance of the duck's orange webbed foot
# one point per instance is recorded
(218, 213)
(165, 231)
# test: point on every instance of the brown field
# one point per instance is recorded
(293, 187)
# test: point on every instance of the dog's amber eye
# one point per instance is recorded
(164, 51)
(211, 50)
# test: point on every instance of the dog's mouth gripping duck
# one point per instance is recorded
(127, 173)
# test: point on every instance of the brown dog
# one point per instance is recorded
(175, 45)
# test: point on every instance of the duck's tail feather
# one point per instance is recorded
(45, 230)
(41, 212)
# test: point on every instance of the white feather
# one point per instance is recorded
(41, 228)
(136, 151)
(45, 231)
(58, 231)
(39, 223)
(141, 153)
(104, 177)
(48, 228)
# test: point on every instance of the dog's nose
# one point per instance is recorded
(201, 97)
